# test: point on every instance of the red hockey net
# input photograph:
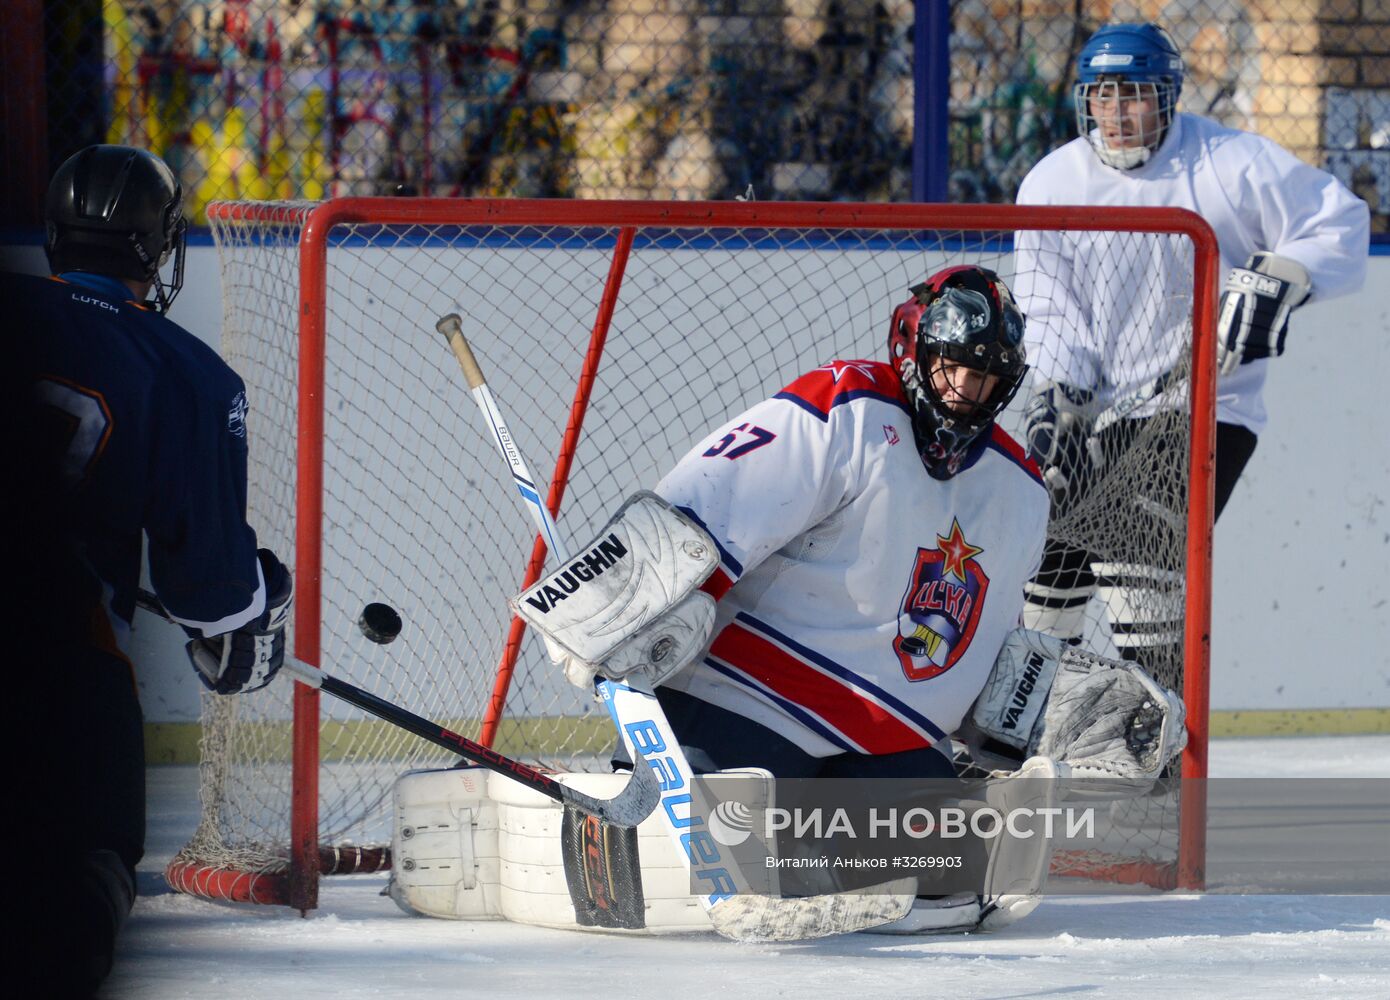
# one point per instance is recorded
(614, 334)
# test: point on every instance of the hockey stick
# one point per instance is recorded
(1135, 398)
(647, 733)
(632, 805)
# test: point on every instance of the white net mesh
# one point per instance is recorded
(418, 510)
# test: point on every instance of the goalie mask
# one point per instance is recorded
(1128, 80)
(957, 346)
(117, 210)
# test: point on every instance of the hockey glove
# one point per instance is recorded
(246, 659)
(1060, 439)
(1255, 306)
(1108, 721)
(1112, 724)
(629, 601)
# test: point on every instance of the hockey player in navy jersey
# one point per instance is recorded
(875, 529)
(1288, 234)
(133, 430)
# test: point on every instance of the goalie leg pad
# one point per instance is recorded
(1018, 857)
(470, 844)
(444, 858)
(1018, 864)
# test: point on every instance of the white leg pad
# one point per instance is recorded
(444, 860)
(470, 844)
(1018, 867)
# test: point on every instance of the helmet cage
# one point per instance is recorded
(175, 245)
(1120, 91)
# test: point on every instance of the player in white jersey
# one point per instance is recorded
(875, 529)
(1288, 233)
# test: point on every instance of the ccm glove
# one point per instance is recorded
(1255, 306)
(246, 659)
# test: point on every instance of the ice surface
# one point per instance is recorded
(360, 945)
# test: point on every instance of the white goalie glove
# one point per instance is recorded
(1255, 305)
(1111, 725)
(629, 601)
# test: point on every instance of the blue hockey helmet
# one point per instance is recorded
(1143, 57)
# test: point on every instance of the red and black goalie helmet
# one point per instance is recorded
(963, 316)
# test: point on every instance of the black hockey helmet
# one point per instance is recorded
(117, 210)
(963, 315)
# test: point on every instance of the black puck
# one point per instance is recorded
(379, 623)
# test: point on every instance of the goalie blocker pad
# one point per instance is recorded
(599, 608)
(1111, 725)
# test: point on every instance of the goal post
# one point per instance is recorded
(618, 332)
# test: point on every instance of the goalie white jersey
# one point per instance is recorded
(1084, 293)
(861, 602)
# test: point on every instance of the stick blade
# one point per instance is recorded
(748, 917)
(629, 807)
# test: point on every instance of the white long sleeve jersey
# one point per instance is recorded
(862, 603)
(1095, 318)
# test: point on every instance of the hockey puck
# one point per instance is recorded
(379, 623)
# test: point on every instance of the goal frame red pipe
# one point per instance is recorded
(627, 216)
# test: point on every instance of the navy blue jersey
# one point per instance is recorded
(143, 429)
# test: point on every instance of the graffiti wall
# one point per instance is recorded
(538, 98)
(670, 98)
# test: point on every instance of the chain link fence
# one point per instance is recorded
(527, 98)
(1313, 75)
(687, 99)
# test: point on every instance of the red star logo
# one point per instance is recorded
(956, 551)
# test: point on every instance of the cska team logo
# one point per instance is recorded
(941, 607)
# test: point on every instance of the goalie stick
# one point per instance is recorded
(649, 738)
(632, 805)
